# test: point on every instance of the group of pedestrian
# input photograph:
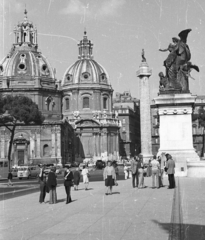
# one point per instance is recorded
(48, 183)
(155, 168)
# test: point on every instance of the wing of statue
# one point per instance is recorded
(183, 35)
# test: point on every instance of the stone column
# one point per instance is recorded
(2, 144)
(15, 155)
(32, 144)
(53, 140)
(26, 154)
(38, 143)
(117, 145)
(104, 145)
(145, 114)
(94, 145)
(58, 133)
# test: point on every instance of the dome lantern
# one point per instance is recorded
(25, 33)
(85, 48)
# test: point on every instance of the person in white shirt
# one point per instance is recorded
(162, 166)
(85, 174)
(126, 171)
(155, 172)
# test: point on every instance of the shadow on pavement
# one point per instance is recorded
(115, 192)
(183, 231)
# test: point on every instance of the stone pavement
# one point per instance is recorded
(127, 214)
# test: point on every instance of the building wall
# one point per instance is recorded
(127, 109)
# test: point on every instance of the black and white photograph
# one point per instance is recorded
(102, 119)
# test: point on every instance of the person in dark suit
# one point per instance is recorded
(134, 170)
(42, 181)
(170, 166)
(52, 184)
(68, 183)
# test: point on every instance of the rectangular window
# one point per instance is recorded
(86, 102)
(104, 103)
(67, 104)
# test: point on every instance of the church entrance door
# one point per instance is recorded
(20, 157)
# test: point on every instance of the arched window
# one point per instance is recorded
(67, 104)
(104, 103)
(46, 150)
(86, 102)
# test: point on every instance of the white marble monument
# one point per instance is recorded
(175, 119)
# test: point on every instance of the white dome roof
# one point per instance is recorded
(85, 70)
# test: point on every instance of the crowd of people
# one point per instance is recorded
(156, 168)
(48, 183)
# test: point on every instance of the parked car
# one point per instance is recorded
(100, 164)
(28, 171)
(14, 172)
(58, 170)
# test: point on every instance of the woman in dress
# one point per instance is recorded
(68, 183)
(109, 176)
(85, 174)
(52, 183)
(76, 178)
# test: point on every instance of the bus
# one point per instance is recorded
(4, 169)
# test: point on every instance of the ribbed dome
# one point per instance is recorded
(24, 62)
(85, 70)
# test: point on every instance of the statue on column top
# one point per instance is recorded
(177, 65)
(143, 56)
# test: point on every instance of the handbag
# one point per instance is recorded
(116, 183)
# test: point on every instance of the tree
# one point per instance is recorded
(200, 116)
(16, 111)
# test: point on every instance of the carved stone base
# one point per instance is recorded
(175, 130)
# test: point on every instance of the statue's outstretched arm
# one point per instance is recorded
(163, 50)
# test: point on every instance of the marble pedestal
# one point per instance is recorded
(175, 118)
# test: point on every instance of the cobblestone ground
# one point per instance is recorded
(129, 213)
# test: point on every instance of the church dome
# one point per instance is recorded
(24, 59)
(85, 70)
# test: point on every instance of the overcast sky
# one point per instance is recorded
(119, 30)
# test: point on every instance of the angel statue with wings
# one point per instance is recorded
(177, 64)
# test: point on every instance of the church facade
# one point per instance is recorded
(25, 71)
(79, 121)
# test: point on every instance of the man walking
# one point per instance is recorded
(134, 170)
(42, 181)
(10, 176)
(170, 165)
(155, 172)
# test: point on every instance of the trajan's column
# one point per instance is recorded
(144, 73)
